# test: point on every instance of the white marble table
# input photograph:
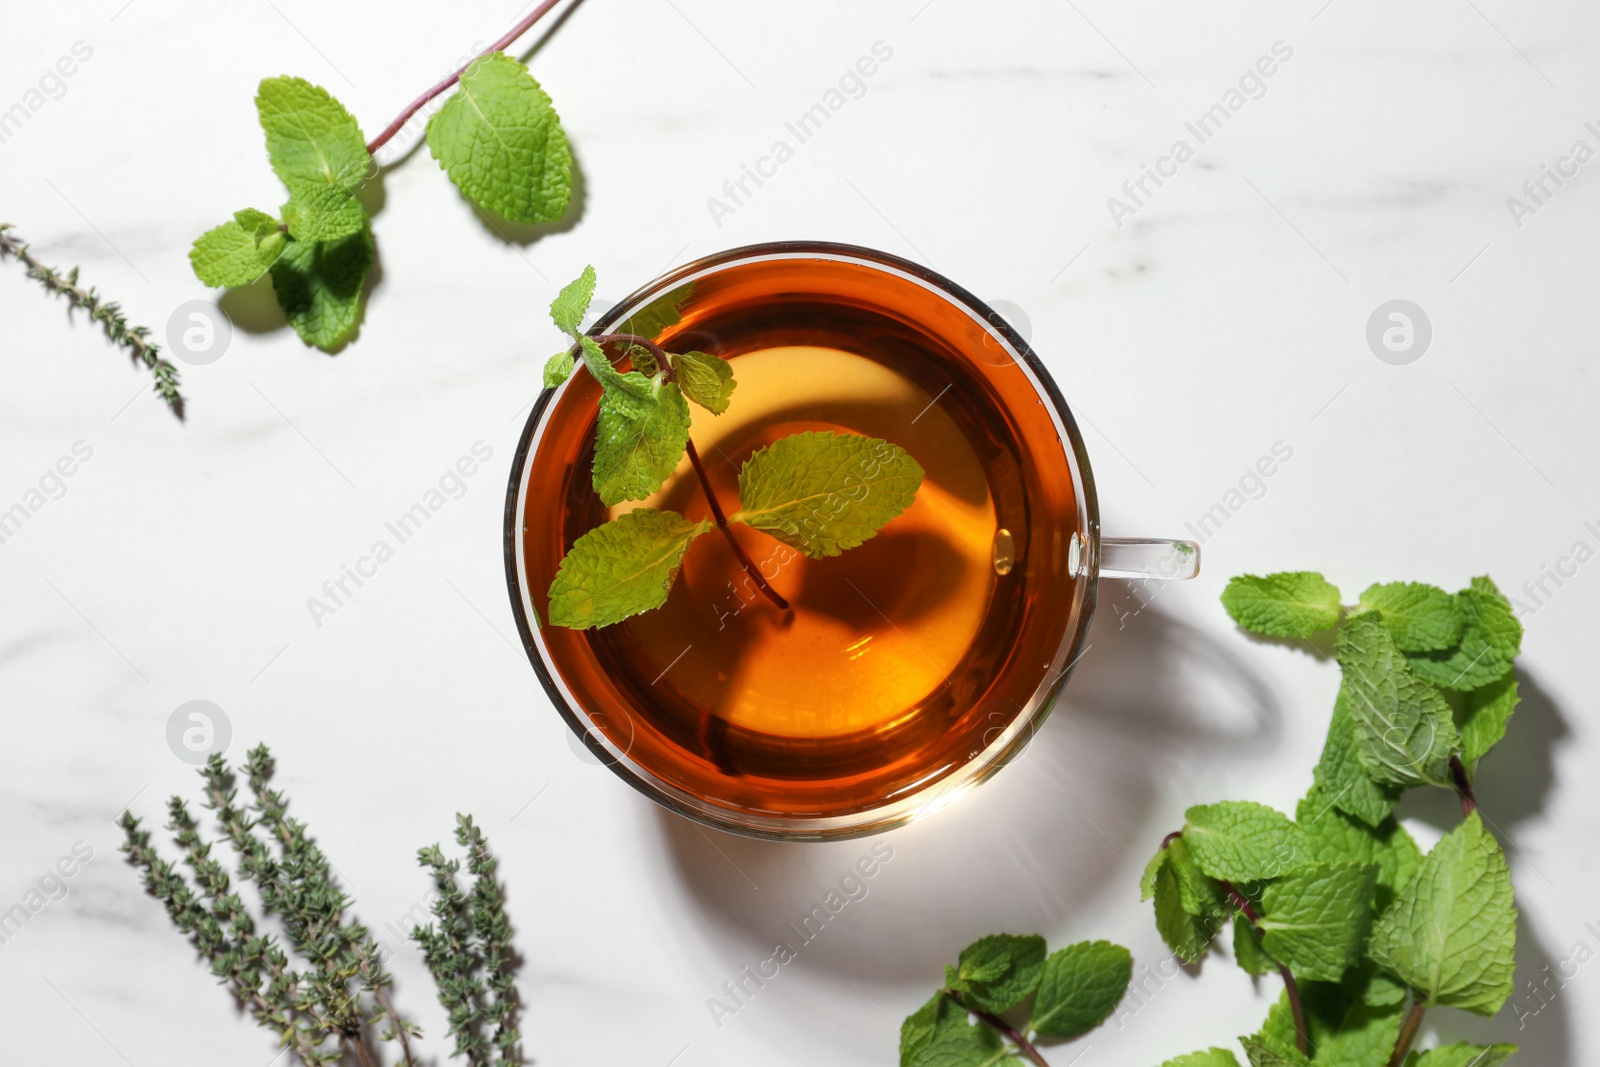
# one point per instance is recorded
(1193, 326)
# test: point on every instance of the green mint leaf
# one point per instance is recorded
(998, 972)
(1341, 775)
(1370, 984)
(1462, 1055)
(1080, 986)
(823, 492)
(558, 368)
(1338, 837)
(1248, 950)
(642, 432)
(318, 284)
(938, 1035)
(316, 148)
(1342, 1032)
(1240, 841)
(1212, 1057)
(322, 213)
(1189, 906)
(1288, 604)
(311, 138)
(621, 568)
(1420, 617)
(237, 252)
(1405, 732)
(572, 303)
(1490, 641)
(1147, 880)
(643, 360)
(705, 379)
(1485, 712)
(1316, 921)
(499, 140)
(1265, 1051)
(1452, 932)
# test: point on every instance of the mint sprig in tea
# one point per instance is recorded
(796, 543)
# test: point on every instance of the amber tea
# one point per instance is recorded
(897, 664)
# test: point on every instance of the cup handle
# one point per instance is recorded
(1148, 558)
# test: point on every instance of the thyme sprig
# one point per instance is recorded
(107, 314)
(327, 993)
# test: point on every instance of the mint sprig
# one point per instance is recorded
(1366, 932)
(821, 493)
(498, 138)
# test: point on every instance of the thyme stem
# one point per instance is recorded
(108, 314)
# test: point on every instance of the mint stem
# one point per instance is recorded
(417, 105)
(1408, 1033)
(665, 364)
(1022, 1043)
(1463, 784)
(1302, 1042)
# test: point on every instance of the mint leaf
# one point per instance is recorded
(237, 252)
(642, 433)
(823, 492)
(499, 140)
(311, 139)
(318, 284)
(1265, 1051)
(1288, 604)
(1214, 1057)
(1337, 837)
(1490, 641)
(938, 1035)
(998, 972)
(1248, 950)
(1189, 906)
(1451, 933)
(1371, 984)
(316, 148)
(572, 303)
(323, 213)
(1316, 921)
(1080, 986)
(1240, 841)
(1462, 1055)
(1147, 880)
(621, 568)
(557, 369)
(1420, 617)
(1341, 776)
(705, 379)
(1341, 1033)
(1483, 718)
(1404, 729)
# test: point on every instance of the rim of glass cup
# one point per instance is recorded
(1084, 552)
